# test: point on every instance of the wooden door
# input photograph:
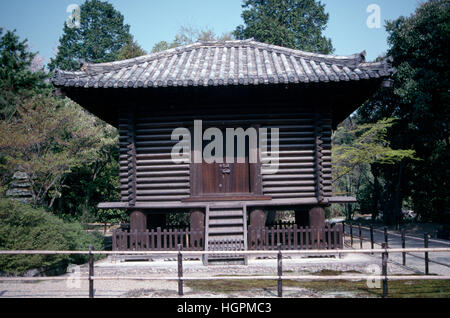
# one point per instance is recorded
(235, 180)
(225, 178)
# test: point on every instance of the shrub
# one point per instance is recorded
(25, 228)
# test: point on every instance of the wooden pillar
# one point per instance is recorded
(257, 224)
(317, 221)
(317, 217)
(138, 221)
(197, 227)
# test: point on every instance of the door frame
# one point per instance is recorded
(255, 178)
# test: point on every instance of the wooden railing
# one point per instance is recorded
(158, 240)
(296, 238)
(268, 238)
(384, 277)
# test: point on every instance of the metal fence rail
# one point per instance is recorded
(279, 277)
(426, 240)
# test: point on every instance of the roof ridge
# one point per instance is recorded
(350, 60)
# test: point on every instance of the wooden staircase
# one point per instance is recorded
(226, 230)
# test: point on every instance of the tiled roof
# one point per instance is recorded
(244, 62)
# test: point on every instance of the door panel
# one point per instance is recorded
(212, 178)
(227, 177)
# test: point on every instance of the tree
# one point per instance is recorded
(420, 102)
(93, 182)
(131, 50)
(297, 24)
(368, 146)
(357, 148)
(17, 78)
(47, 139)
(100, 37)
(188, 35)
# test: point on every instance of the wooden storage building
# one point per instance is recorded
(229, 84)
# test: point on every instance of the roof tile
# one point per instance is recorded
(224, 63)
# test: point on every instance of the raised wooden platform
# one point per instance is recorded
(204, 204)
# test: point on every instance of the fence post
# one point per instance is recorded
(360, 237)
(91, 271)
(158, 239)
(371, 237)
(386, 239)
(384, 262)
(343, 232)
(403, 246)
(351, 233)
(427, 270)
(180, 270)
(280, 272)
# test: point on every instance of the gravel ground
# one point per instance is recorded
(163, 289)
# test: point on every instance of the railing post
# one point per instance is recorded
(91, 271)
(403, 246)
(427, 269)
(343, 232)
(280, 272)
(384, 262)
(180, 270)
(351, 233)
(360, 237)
(386, 239)
(372, 243)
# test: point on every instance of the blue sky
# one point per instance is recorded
(151, 21)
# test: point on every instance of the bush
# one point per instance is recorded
(25, 228)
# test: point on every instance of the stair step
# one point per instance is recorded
(226, 233)
(226, 205)
(225, 237)
(224, 221)
(225, 213)
(226, 230)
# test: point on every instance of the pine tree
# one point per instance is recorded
(100, 37)
(16, 75)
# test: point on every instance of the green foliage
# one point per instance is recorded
(91, 184)
(17, 79)
(161, 46)
(70, 155)
(420, 103)
(47, 139)
(131, 50)
(357, 150)
(25, 228)
(100, 37)
(365, 144)
(297, 24)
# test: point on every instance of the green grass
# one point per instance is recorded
(396, 289)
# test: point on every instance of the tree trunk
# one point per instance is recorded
(376, 191)
(398, 199)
